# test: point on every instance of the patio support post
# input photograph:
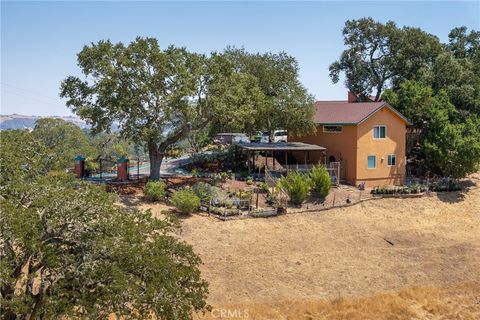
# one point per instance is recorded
(253, 161)
(305, 156)
(266, 159)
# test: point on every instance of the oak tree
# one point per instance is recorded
(67, 250)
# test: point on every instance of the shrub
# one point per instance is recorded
(204, 191)
(155, 190)
(321, 181)
(224, 175)
(194, 172)
(186, 201)
(245, 195)
(297, 185)
(264, 187)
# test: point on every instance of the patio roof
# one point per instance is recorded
(280, 146)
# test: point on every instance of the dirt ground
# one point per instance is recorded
(376, 247)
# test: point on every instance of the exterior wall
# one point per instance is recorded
(355, 143)
(394, 143)
(342, 146)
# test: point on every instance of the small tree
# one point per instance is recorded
(321, 181)
(297, 185)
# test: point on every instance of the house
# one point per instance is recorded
(367, 138)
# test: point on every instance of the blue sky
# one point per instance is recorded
(40, 40)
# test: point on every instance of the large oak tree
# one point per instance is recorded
(380, 55)
(156, 96)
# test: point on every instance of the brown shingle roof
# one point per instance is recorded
(343, 112)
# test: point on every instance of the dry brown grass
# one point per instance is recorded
(285, 267)
(453, 302)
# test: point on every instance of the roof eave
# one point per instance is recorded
(338, 123)
(401, 116)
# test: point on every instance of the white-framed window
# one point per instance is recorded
(332, 129)
(371, 162)
(379, 132)
(391, 160)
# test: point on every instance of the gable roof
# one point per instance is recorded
(344, 112)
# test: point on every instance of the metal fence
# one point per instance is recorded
(105, 169)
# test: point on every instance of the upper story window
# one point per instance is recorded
(379, 132)
(332, 129)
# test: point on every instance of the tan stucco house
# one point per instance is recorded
(367, 138)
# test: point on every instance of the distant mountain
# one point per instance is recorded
(18, 121)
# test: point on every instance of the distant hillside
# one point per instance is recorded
(18, 121)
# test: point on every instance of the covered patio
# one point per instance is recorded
(285, 154)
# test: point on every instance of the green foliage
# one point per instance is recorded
(204, 191)
(228, 204)
(155, 190)
(111, 146)
(249, 181)
(87, 256)
(463, 44)
(224, 175)
(158, 96)
(321, 181)
(379, 54)
(443, 185)
(186, 201)
(297, 186)
(382, 55)
(264, 187)
(450, 142)
(22, 158)
(281, 101)
(199, 139)
(453, 149)
(120, 150)
(194, 172)
(64, 139)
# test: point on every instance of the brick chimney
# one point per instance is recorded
(352, 97)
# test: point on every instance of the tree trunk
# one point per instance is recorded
(155, 163)
(379, 92)
(156, 158)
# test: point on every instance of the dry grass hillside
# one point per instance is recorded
(347, 262)
(452, 302)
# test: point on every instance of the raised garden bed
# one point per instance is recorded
(418, 189)
(265, 213)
